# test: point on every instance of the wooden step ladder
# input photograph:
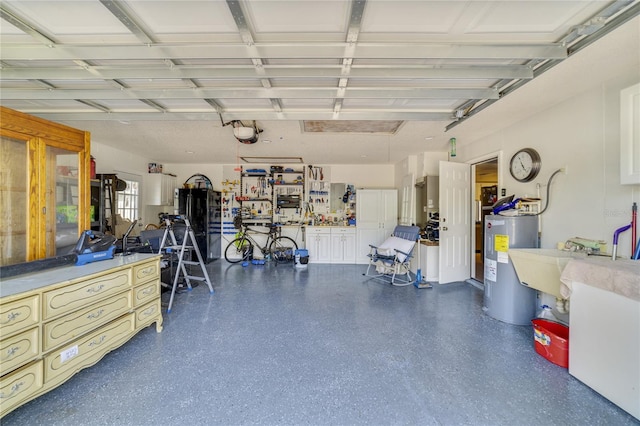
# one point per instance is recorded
(169, 243)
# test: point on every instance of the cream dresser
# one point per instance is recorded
(57, 322)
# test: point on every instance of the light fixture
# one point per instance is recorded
(273, 160)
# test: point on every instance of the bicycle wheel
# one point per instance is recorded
(283, 249)
(238, 250)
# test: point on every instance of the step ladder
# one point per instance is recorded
(169, 243)
(108, 203)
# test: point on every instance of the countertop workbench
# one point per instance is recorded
(621, 276)
(28, 282)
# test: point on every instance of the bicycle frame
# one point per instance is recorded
(277, 247)
(271, 235)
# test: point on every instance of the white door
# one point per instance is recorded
(408, 200)
(455, 222)
(388, 212)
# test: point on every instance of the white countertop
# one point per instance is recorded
(28, 282)
(621, 276)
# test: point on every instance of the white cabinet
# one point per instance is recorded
(428, 260)
(331, 244)
(630, 135)
(160, 189)
(343, 245)
(377, 216)
(319, 244)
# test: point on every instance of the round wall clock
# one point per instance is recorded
(525, 165)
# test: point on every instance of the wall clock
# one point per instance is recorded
(525, 165)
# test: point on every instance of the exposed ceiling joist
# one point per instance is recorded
(228, 115)
(292, 50)
(255, 93)
(226, 72)
(135, 60)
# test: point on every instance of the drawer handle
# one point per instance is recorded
(12, 351)
(95, 289)
(11, 317)
(14, 389)
(95, 315)
(147, 291)
(99, 341)
(147, 270)
(149, 311)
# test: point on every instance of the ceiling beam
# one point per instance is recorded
(294, 50)
(252, 93)
(28, 27)
(292, 115)
(213, 72)
(126, 16)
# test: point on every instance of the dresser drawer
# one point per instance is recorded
(318, 230)
(87, 350)
(62, 330)
(74, 296)
(147, 314)
(19, 315)
(343, 230)
(146, 292)
(20, 386)
(146, 272)
(18, 349)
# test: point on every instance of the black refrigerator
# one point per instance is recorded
(203, 208)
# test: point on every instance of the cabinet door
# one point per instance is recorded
(388, 210)
(349, 247)
(367, 208)
(50, 163)
(319, 243)
(14, 200)
(169, 184)
(365, 237)
(324, 248)
(337, 248)
(161, 188)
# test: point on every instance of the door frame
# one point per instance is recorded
(473, 162)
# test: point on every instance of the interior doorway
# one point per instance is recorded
(485, 194)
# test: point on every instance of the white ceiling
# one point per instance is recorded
(159, 78)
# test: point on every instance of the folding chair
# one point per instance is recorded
(390, 261)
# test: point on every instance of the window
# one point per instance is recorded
(129, 201)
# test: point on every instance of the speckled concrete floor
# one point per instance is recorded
(280, 346)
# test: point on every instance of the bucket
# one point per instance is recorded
(551, 340)
(301, 258)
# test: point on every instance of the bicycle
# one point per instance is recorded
(279, 248)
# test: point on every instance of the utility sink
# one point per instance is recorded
(541, 268)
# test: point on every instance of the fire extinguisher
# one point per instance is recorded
(93, 168)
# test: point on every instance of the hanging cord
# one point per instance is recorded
(548, 191)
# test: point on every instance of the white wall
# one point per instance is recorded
(581, 132)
